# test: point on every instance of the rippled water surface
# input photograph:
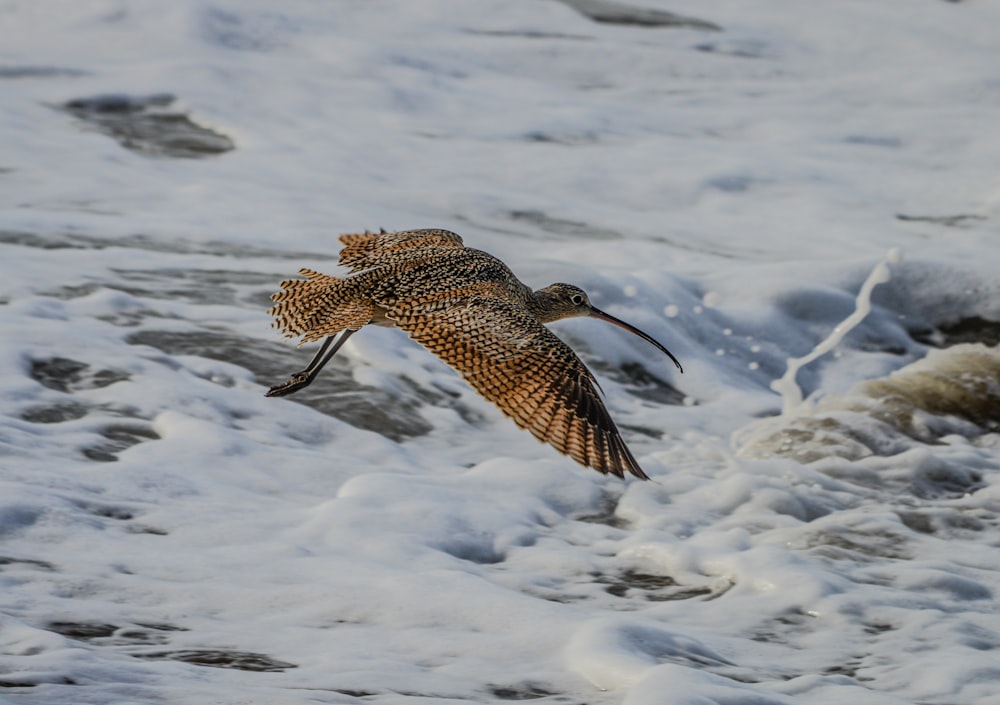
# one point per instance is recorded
(724, 178)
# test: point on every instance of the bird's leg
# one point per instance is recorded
(304, 378)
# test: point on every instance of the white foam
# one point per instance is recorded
(791, 393)
(403, 540)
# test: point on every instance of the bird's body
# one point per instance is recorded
(469, 309)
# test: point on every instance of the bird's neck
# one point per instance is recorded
(542, 306)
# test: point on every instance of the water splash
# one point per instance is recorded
(787, 387)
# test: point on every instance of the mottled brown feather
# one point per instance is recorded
(533, 377)
(363, 250)
(319, 306)
(469, 309)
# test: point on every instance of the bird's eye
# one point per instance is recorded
(576, 300)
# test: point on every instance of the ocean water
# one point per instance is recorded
(761, 187)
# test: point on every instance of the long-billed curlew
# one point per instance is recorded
(466, 307)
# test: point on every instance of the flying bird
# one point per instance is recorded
(469, 309)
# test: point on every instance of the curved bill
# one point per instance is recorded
(598, 313)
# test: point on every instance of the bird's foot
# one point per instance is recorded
(293, 384)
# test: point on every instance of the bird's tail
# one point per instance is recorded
(317, 306)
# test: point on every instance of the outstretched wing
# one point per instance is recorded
(526, 371)
(364, 250)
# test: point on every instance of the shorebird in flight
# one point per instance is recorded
(466, 307)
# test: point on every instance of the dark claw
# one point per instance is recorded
(304, 378)
(293, 384)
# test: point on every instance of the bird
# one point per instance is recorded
(466, 307)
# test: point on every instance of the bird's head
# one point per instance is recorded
(558, 301)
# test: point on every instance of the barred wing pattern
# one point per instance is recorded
(534, 378)
(363, 250)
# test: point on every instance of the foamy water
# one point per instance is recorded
(386, 536)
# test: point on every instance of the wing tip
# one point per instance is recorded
(622, 461)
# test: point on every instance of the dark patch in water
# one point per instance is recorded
(875, 141)
(950, 221)
(131, 635)
(37, 680)
(606, 514)
(943, 481)
(566, 138)
(646, 385)
(107, 511)
(67, 293)
(163, 627)
(83, 631)
(40, 72)
(59, 241)
(745, 49)
(334, 393)
(782, 629)
(845, 668)
(561, 226)
(55, 413)
(58, 373)
(4, 683)
(942, 522)
(470, 550)
(60, 412)
(732, 183)
(144, 125)
(197, 286)
(653, 588)
(221, 658)
(631, 579)
(521, 691)
(966, 330)
(857, 544)
(615, 13)
(917, 521)
(119, 438)
(113, 635)
(137, 529)
(527, 34)
(65, 375)
(260, 32)
(878, 628)
(10, 560)
(157, 634)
